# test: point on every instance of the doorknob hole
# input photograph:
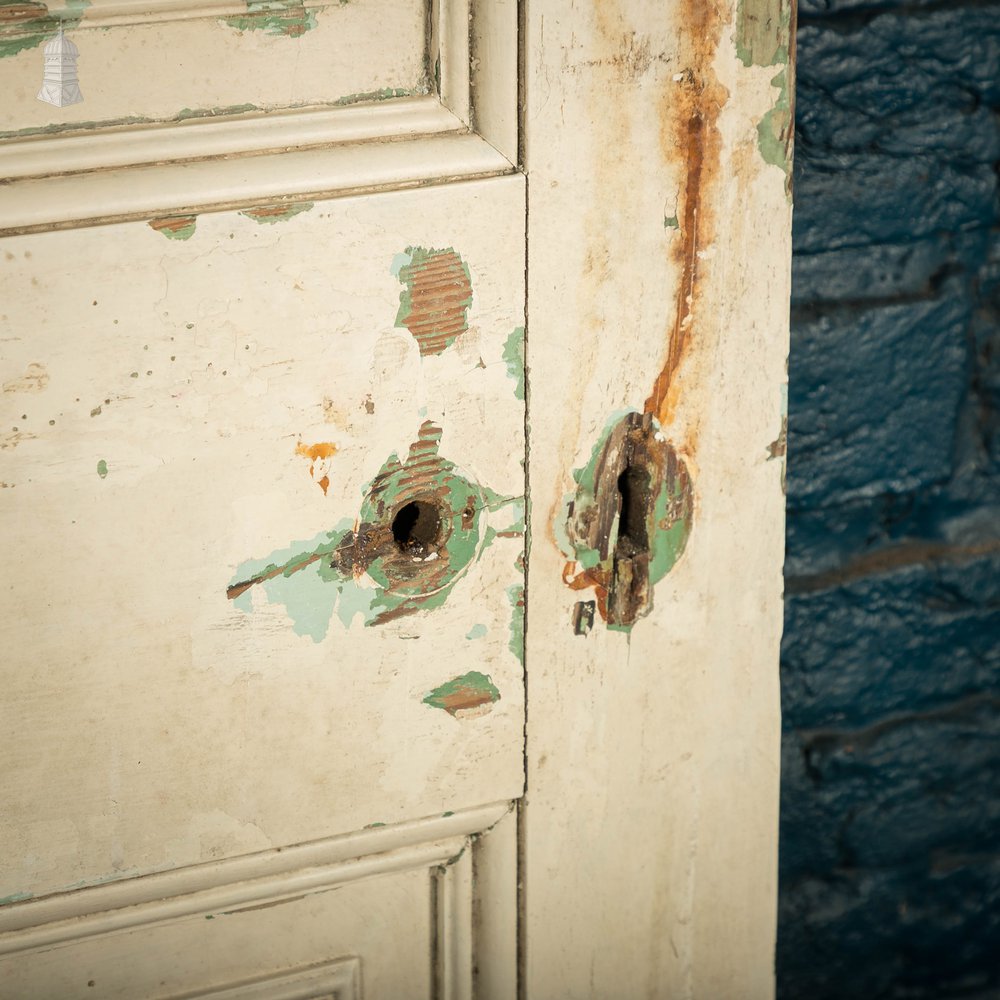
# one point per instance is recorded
(416, 527)
(634, 494)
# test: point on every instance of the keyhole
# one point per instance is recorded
(416, 526)
(634, 499)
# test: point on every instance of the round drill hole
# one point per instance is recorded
(416, 527)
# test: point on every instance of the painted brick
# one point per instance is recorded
(890, 813)
(897, 793)
(921, 933)
(847, 200)
(906, 640)
(874, 396)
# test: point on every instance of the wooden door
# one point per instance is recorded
(271, 638)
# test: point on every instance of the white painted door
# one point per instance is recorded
(266, 497)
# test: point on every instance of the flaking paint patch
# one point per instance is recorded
(464, 696)
(385, 94)
(54, 128)
(775, 131)
(102, 469)
(763, 29)
(320, 456)
(515, 594)
(765, 36)
(436, 296)
(360, 568)
(513, 356)
(25, 24)
(271, 214)
(175, 227)
(274, 17)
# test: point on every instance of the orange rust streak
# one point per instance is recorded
(657, 403)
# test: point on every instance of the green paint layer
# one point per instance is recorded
(274, 17)
(102, 469)
(513, 355)
(515, 594)
(385, 94)
(763, 32)
(764, 38)
(774, 130)
(596, 502)
(361, 569)
(25, 24)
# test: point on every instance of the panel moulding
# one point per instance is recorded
(438, 844)
(120, 172)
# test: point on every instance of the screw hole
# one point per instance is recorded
(416, 527)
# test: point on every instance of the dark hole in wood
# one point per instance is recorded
(416, 526)
(634, 500)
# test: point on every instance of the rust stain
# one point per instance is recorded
(627, 523)
(34, 379)
(689, 133)
(436, 298)
(319, 454)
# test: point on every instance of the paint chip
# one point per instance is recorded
(271, 214)
(102, 469)
(175, 227)
(473, 693)
(436, 296)
(319, 456)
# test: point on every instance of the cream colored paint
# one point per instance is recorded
(651, 810)
(151, 723)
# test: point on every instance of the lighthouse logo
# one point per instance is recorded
(60, 85)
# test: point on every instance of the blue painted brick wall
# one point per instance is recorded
(890, 813)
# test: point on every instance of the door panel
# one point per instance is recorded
(414, 911)
(217, 642)
(170, 61)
